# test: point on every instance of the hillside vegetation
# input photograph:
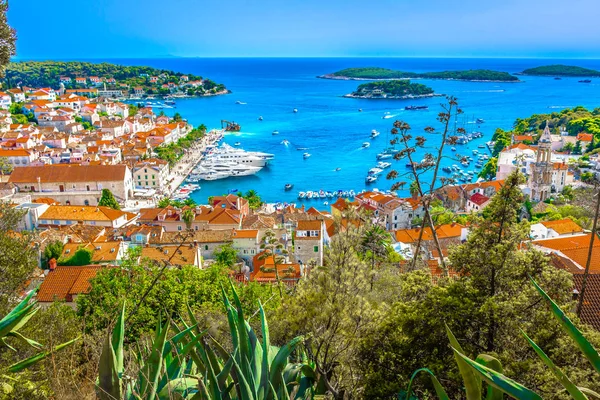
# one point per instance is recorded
(560, 70)
(392, 89)
(384, 73)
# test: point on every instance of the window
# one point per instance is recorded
(316, 249)
(86, 202)
(205, 247)
(145, 176)
(153, 183)
(178, 227)
(245, 251)
(139, 183)
(395, 218)
(152, 176)
(196, 227)
(251, 251)
(56, 222)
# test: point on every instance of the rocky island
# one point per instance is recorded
(376, 73)
(392, 89)
(560, 70)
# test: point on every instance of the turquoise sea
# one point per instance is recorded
(332, 127)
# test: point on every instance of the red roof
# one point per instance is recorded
(585, 137)
(479, 199)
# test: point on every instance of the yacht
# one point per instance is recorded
(338, 169)
(288, 186)
(301, 195)
(375, 171)
(383, 156)
(447, 169)
(366, 145)
(285, 142)
(260, 118)
(374, 134)
(481, 146)
(383, 164)
(480, 120)
(453, 148)
(213, 175)
(295, 110)
(275, 132)
(360, 110)
(239, 102)
(306, 155)
(237, 144)
(370, 179)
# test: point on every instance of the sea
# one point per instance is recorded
(332, 129)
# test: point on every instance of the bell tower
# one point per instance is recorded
(540, 181)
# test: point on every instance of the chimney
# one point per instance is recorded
(52, 264)
(195, 243)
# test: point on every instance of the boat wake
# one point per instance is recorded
(561, 106)
(484, 91)
(388, 116)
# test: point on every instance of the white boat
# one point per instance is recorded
(351, 193)
(374, 134)
(275, 132)
(285, 142)
(383, 164)
(301, 195)
(306, 155)
(338, 169)
(366, 145)
(370, 179)
(260, 118)
(239, 102)
(375, 171)
(295, 110)
(237, 144)
(453, 148)
(383, 156)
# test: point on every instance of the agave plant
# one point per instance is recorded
(192, 365)
(15, 320)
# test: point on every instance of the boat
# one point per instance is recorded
(306, 155)
(370, 179)
(453, 148)
(480, 120)
(414, 108)
(475, 152)
(288, 186)
(447, 169)
(338, 169)
(374, 134)
(285, 142)
(383, 156)
(170, 102)
(366, 145)
(322, 194)
(410, 165)
(375, 171)
(301, 195)
(481, 146)
(295, 110)
(557, 78)
(351, 193)
(360, 110)
(585, 81)
(383, 164)
(237, 144)
(275, 132)
(260, 118)
(302, 148)
(239, 102)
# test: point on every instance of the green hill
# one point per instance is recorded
(393, 89)
(560, 70)
(368, 73)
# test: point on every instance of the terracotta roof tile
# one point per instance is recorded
(69, 173)
(65, 282)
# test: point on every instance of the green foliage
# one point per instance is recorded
(488, 171)
(5, 166)
(587, 177)
(164, 202)
(502, 139)
(53, 250)
(254, 200)
(396, 88)
(200, 288)
(561, 70)
(82, 256)
(174, 151)
(226, 256)
(384, 73)
(8, 37)
(108, 200)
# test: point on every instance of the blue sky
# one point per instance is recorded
(297, 28)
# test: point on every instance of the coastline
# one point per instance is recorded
(349, 78)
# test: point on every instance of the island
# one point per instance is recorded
(560, 70)
(110, 80)
(376, 73)
(392, 89)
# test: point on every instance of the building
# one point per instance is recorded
(5, 100)
(246, 243)
(105, 253)
(152, 173)
(309, 241)
(572, 251)
(65, 283)
(540, 182)
(58, 215)
(477, 202)
(554, 229)
(74, 184)
(176, 256)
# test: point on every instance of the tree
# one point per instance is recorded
(5, 166)
(188, 216)
(53, 250)
(577, 147)
(108, 200)
(226, 256)
(177, 117)
(133, 109)
(488, 171)
(82, 256)
(375, 244)
(19, 119)
(273, 249)
(164, 202)
(254, 200)
(18, 257)
(8, 38)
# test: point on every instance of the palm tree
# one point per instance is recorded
(375, 242)
(188, 217)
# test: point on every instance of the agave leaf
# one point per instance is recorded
(495, 364)
(21, 365)
(118, 337)
(281, 360)
(588, 350)
(439, 389)
(150, 373)
(109, 381)
(179, 388)
(564, 380)
(499, 381)
(242, 384)
(589, 392)
(265, 373)
(9, 323)
(30, 342)
(471, 380)
(224, 374)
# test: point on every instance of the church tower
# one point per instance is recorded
(540, 181)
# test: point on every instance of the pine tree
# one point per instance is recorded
(108, 200)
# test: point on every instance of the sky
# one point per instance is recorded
(72, 29)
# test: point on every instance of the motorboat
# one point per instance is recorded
(370, 179)
(239, 102)
(383, 164)
(301, 195)
(375, 171)
(453, 148)
(306, 155)
(481, 146)
(295, 110)
(237, 144)
(480, 120)
(374, 134)
(260, 118)
(275, 132)
(338, 169)
(360, 110)
(447, 169)
(585, 81)
(288, 186)
(366, 145)
(383, 156)
(285, 142)
(351, 193)
(414, 108)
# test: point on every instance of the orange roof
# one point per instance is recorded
(309, 225)
(65, 282)
(521, 146)
(82, 213)
(69, 173)
(101, 252)
(443, 232)
(585, 137)
(560, 165)
(563, 226)
(576, 248)
(520, 138)
(264, 270)
(14, 153)
(186, 255)
(245, 234)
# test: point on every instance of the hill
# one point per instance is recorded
(376, 73)
(393, 89)
(560, 70)
(152, 80)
